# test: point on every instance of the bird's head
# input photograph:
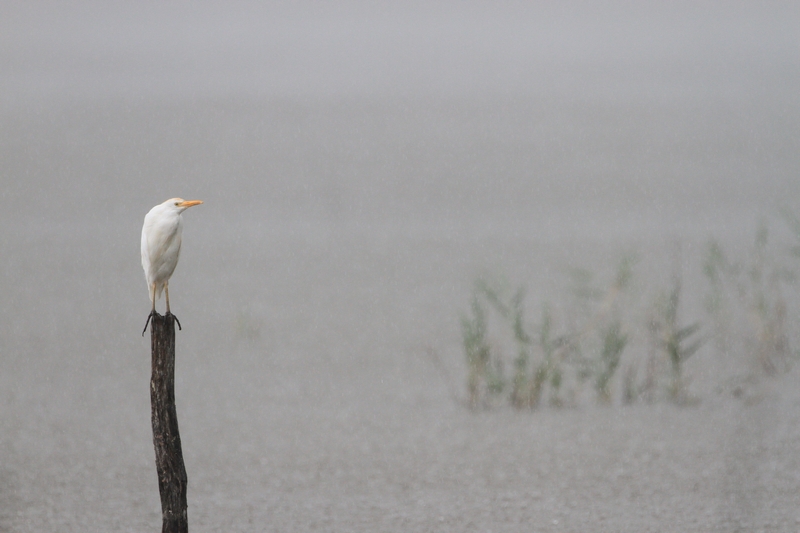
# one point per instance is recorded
(180, 205)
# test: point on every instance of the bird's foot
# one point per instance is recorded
(148, 321)
(173, 317)
(168, 315)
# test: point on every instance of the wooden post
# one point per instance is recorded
(166, 438)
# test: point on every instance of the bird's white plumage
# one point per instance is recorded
(161, 244)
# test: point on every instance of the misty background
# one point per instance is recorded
(361, 163)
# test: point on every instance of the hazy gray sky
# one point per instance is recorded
(315, 48)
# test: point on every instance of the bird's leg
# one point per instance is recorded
(152, 309)
(169, 314)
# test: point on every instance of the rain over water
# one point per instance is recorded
(361, 165)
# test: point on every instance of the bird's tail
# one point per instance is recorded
(159, 290)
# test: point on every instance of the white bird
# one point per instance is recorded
(161, 246)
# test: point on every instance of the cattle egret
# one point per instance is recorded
(161, 246)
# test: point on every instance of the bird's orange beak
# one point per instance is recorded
(190, 203)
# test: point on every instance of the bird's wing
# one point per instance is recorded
(161, 244)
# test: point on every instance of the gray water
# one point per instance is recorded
(360, 165)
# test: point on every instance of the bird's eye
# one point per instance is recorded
(177, 203)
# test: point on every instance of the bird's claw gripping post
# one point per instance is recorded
(170, 315)
(167, 315)
(148, 321)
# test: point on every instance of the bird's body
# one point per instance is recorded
(161, 245)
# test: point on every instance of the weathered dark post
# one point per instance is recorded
(166, 439)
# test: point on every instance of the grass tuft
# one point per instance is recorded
(583, 341)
